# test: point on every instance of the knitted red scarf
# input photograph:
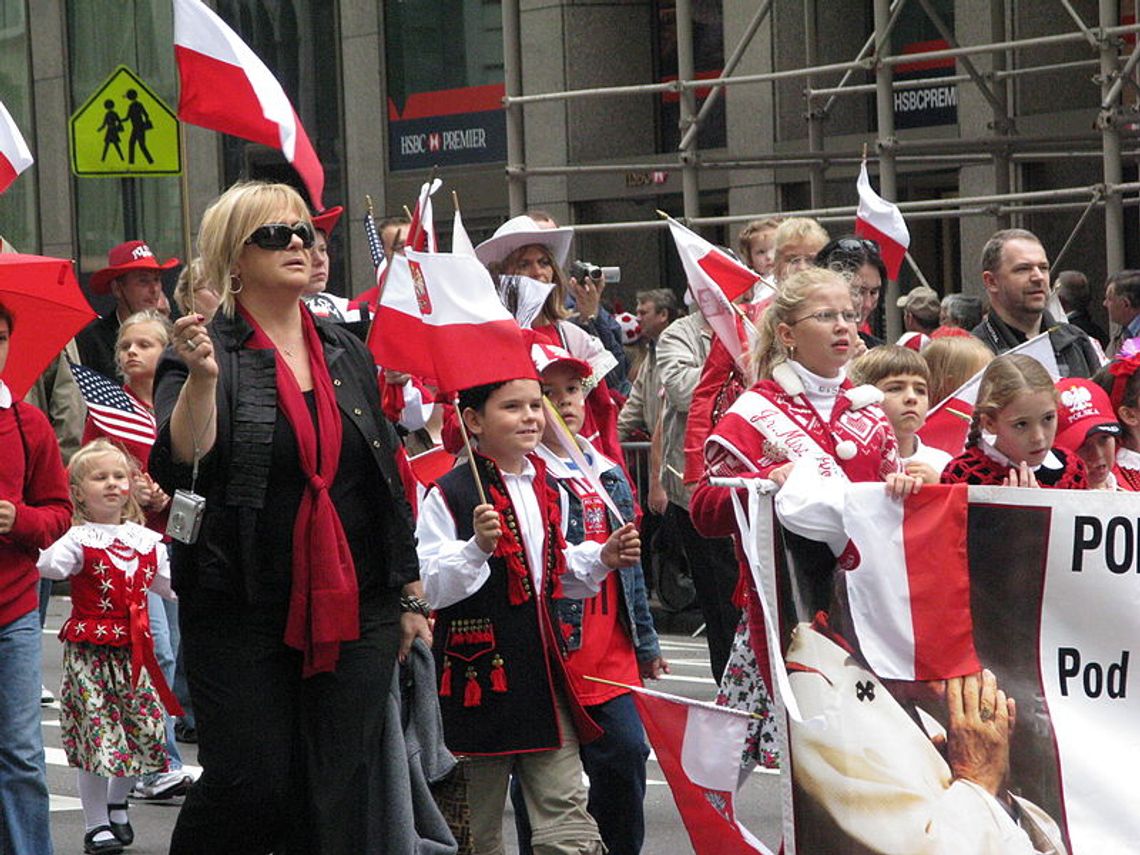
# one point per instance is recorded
(324, 602)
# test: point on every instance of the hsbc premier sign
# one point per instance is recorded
(448, 139)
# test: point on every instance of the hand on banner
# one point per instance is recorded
(1020, 476)
(193, 344)
(488, 528)
(924, 472)
(780, 474)
(652, 669)
(900, 485)
(622, 548)
(981, 723)
(7, 516)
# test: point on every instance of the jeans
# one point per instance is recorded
(24, 826)
(615, 765)
(164, 653)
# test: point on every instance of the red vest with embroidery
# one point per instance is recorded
(102, 595)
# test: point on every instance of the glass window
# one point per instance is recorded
(708, 62)
(444, 61)
(19, 211)
(102, 35)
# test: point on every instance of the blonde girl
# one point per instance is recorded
(952, 361)
(1010, 442)
(112, 693)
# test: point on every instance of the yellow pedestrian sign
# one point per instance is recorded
(125, 129)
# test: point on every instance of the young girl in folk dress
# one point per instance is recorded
(1121, 380)
(1010, 442)
(111, 714)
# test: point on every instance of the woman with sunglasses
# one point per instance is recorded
(860, 259)
(290, 595)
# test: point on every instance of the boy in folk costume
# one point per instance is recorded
(491, 570)
(611, 634)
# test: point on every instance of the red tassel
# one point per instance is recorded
(473, 693)
(498, 675)
(445, 680)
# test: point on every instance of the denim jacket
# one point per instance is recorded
(637, 619)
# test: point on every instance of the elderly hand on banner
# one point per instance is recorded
(982, 719)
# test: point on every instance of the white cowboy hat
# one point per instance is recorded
(522, 231)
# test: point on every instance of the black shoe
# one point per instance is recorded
(105, 847)
(185, 734)
(122, 830)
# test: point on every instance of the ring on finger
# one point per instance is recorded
(987, 714)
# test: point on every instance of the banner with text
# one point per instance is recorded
(887, 766)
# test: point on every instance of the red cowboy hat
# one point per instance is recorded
(326, 220)
(132, 255)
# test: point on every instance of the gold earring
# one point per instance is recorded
(235, 277)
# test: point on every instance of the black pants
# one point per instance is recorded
(713, 567)
(290, 765)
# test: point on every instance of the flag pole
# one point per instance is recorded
(184, 181)
(455, 199)
(470, 454)
(675, 698)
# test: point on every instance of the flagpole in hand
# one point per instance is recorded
(470, 454)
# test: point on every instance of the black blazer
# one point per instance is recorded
(233, 476)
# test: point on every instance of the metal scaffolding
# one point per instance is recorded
(1004, 149)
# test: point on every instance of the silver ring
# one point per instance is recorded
(987, 714)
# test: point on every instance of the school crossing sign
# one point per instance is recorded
(124, 129)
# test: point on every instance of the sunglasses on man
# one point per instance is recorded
(280, 235)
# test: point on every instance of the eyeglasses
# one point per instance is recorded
(830, 317)
(280, 235)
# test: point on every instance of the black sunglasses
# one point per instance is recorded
(280, 235)
(858, 245)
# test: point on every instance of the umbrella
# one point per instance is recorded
(47, 310)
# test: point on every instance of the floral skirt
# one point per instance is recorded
(743, 688)
(108, 728)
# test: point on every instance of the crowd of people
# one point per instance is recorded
(253, 563)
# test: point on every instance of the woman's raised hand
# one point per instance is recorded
(194, 345)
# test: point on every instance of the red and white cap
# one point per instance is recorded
(545, 355)
(630, 327)
(913, 341)
(1085, 409)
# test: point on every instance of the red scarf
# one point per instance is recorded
(324, 602)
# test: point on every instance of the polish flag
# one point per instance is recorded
(443, 319)
(909, 593)
(882, 222)
(421, 233)
(947, 425)
(715, 280)
(460, 241)
(225, 87)
(698, 746)
(15, 156)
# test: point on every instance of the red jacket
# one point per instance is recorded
(33, 479)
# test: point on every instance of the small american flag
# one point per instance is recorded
(375, 248)
(113, 409)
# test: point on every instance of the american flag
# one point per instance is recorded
(112, 409)
(374, 246)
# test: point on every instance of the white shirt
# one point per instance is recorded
(5, 396)
(933, 457)
(452, 570)
(821, 391)
(64, 558)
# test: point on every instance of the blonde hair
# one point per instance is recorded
(231, 219)
(796, 230)
(744, 239)
(554, 309)
(81, 464)
(1007, 378)
(953, 360)
(190, 279)
(768, 351)
(889, 360)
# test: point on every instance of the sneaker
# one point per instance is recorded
(46, 697)
(164, 785)
(184, 733)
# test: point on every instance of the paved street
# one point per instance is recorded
(758, 805)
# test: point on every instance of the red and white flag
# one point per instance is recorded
(882, 222)
(716, 279)
(443, 320)
(909, 593)
(225, 87)
(460, 241)
(698, 747)
(421, 233)
(948, 423)
(15, 156)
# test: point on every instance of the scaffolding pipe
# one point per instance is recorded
(1088, 34)
(1113, 171)
(794, 73)
(975, 75)
(896, 9)
(512, 85)
(814, 118)
(1003, 165)
(922, 82)
(729, 67)
(1121, 77)
(686, 71)
(885, 114)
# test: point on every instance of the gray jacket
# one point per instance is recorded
(681, 354)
